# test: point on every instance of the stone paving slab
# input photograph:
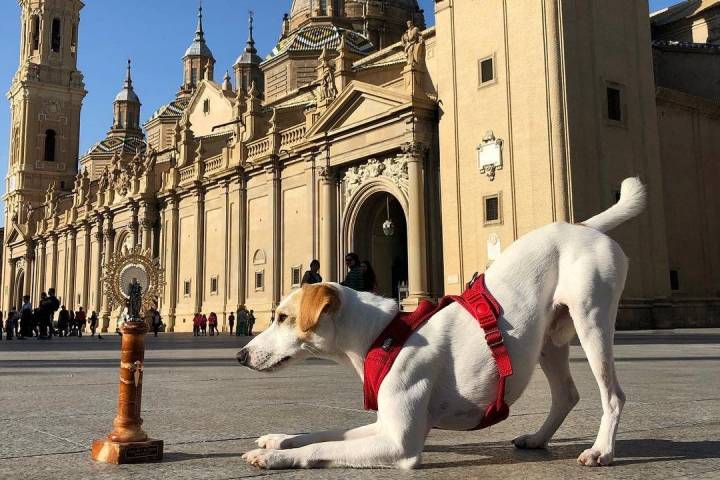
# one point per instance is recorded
(59, 395)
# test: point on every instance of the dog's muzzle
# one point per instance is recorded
(243, 356)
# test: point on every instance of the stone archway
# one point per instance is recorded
(387, 254)
(362, 232)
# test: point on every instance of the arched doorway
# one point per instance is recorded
(386, 251)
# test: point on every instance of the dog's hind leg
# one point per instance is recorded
(595, 327)
(554, 361)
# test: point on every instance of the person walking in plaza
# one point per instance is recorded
(251, 322)
(203, 325)
(10, 323)
(52, 305)
(93, 324)
(313, 275)
(72, 323)
(231, 323)
(63, 321)
(196, 324)
(242, 321)
(212, 322)
(155, 320)
(81, 319)
(354, 277)
(26, 323)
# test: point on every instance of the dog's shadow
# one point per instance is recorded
(628, 452)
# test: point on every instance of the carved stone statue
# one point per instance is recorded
(104, 182)
(414, 45)
(134, 302)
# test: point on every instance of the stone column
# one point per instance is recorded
(29, 269)
(242, 224)
(86, 267)
(200, 254)
(147, 223)
(109, 234)
(328, 231)
(417, 259)
(227, 266)
(134, 225)
(71, 260)
(41, 287)
(10, 298)
(173, 254)
(98, 261)
(53, 260)
(273, 175)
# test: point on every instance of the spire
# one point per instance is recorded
(199, 47)
(199, 33)
(127, 94)
(128, 78)
(250, 46)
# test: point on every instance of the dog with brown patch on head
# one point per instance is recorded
(555, 280)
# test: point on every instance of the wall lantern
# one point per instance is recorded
(388, 226)
(489, 155)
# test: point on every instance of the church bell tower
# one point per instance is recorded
(45, 100)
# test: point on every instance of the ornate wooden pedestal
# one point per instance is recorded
(128, 443)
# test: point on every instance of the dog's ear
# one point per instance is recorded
(316, 300)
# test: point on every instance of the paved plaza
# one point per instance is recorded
(58, 395)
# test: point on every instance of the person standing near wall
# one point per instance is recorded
(231, 323)
(313, 275)
(354, 276)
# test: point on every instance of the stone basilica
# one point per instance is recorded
(425, 150)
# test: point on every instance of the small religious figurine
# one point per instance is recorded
(134, 301)
(413, 44)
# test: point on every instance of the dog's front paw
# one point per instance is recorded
(275, 441)
(529, 442)
(268, 459)
(594, 458)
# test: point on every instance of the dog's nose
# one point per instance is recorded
(242, 356)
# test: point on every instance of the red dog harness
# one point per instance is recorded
(480, 303)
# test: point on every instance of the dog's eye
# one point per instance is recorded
(281, 318)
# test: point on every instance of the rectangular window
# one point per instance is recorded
(486, 70)
(193, 75)
(186, 288)
(674, 280)
(206, 106)
(260, 280)
(35, 33)
(55, 38)
(295, 276)
(214, 285)
(492, 209)
(614, 104)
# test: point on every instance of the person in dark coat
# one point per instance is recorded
(251, 321)
(313, 275)
(93, 323)
(354, 277)
(81, 320)
(369, 279)
(231, 323)
(63, 322)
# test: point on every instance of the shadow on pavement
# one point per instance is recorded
(629, 452)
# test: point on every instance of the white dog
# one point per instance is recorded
(556, 281)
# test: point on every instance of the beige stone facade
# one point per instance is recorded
(426, 151)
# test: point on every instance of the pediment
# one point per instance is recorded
(359, 103)
(219, 109)
(15, 235)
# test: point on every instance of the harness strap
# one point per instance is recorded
(485, 309)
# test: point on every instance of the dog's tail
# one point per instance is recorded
(633, 198)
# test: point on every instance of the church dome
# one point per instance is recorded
(312, 38)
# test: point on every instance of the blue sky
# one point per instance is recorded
(155, 34)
